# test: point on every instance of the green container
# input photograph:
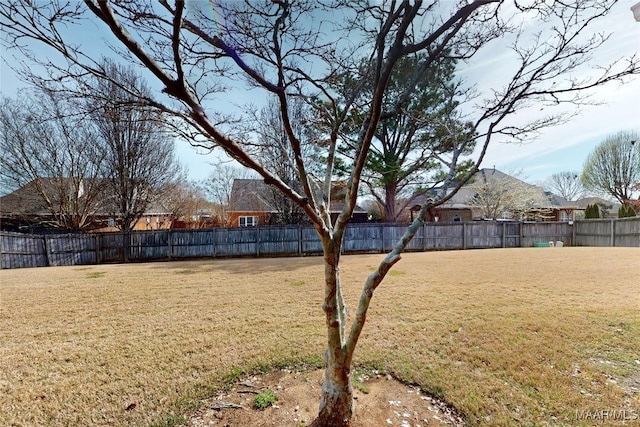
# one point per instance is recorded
(541, 245)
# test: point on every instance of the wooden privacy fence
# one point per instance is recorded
(23, 250)
(607, 232)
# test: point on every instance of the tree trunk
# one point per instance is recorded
(390, 203)
(336, 402)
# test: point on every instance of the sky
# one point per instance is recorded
(565, 147)
(561, 148)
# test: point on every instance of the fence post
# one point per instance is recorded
(464, 235)
(97, 238)
(47, 258)
(127, 245)
(613, 233)
(424, 237)
(257, 241)
(215, 239)
(382, 236)
(169, 244)
(299, 239)
(504, 235)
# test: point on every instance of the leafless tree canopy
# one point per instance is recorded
(102, 153)
(52, 153)
(566, 184)
(613, 168)
(139, 155)
(297, 50)
(500, 195)
(274, 152)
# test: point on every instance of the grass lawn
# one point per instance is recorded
(533, 336)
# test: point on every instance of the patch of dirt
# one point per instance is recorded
(386, 402)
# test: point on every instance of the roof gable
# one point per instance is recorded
(464, 197)
(250, 195)
(27, 200)
(253, 195)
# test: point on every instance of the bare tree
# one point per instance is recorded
(566, 184)
(613, 168)
(275, 152)
(505, 196)
(53, 157)
(282, 50)
(184, 200)
(139, 149)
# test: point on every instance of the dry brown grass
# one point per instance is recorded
(509, 337)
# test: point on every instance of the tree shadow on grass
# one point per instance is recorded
(245, 265)
(268, 265)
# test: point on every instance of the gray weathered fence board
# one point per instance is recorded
(71, 249)
(608, 232)
(627, 232)
(20, 250)
(192, 243)
(112, 247)
(149, 245)
(536, 232)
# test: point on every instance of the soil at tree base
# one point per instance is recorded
(379, 401)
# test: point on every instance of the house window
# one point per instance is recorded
(247, 221)
(564, 216)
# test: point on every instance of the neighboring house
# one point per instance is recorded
(249, 204)
(468, 204)
(252, 203)
(75, 205)
(156, 217)
(25, 210)
(608, 209)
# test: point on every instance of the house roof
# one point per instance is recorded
(250, 195)
(27, 199)
(464, 196)
(23, 200)
(612, 207)
(586, 201)
(253, 195)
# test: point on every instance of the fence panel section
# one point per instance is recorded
(192, 243)
(112, 247)
(481, 235)
(71, 249)
(237, 241)
(22, 250)
(627, 232)
(363, 238)
(149, 245)
(442, 236)
(544, 232)
(608, 232)
(283, 240)
(310, 243)
(392, 233)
